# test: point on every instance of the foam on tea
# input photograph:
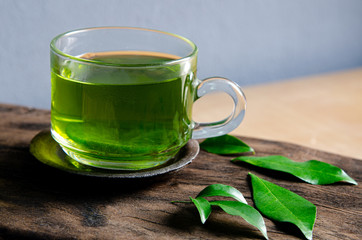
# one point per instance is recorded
(130, 57)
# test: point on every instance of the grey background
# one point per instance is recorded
(248, 41)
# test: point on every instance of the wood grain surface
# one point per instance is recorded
(39, 202)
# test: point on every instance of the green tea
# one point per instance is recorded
(137, 116)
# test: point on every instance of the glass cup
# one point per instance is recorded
(122, 97)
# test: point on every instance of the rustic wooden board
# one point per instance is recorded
(39, 202)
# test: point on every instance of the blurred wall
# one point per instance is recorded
(248, 41)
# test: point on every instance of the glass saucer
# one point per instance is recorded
(44, 148)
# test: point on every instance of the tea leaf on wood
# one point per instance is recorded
(238, 208)
(223, 191)
(225, 144)
(248, 213)
(312, 171)
(282, 205)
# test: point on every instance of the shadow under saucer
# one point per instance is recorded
(44, 148)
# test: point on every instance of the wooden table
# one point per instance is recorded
(40, 202)
(322, 112)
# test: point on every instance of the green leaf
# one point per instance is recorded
(225, 144)
(248, 213)
(203, 206)
(313, 171)
(223, 191)
(282, 205)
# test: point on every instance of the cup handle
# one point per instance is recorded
(213, 129)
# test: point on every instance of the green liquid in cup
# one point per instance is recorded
(131, 118)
